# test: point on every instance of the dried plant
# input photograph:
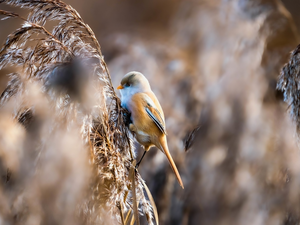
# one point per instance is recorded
(63, 90)
(244, 165)
(289, 83)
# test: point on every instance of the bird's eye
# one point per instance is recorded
(127, 85)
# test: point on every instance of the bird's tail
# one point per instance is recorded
(165, 149)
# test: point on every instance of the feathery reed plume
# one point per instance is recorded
(189, 139)
(64, 85)
(289, 84)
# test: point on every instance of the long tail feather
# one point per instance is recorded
(165, 149)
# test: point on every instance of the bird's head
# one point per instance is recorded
(134, 82)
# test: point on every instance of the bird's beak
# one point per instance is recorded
(120, 87)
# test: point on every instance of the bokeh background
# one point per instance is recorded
(212, 64)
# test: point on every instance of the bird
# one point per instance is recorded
(146, 114)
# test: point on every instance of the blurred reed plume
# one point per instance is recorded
(66, 156)
(214, 66)
(221, 69)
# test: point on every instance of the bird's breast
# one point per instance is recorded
(143, 138)
(139, 116)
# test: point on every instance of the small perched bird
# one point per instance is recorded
(148, 121)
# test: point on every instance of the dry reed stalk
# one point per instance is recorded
(289, 83)
(69, 71)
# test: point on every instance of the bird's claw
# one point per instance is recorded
(132, 128)
(127, 117)
(137, 166)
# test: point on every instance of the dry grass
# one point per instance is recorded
(63, 136)
(65, 154)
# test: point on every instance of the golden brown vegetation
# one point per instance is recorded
(70, 161)
(213, 65)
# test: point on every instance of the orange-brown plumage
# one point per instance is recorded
(148, 122)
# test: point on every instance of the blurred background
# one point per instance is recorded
(213, 64)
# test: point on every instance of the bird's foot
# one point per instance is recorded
(126, 117)
(137, 165)
(132, 128)
(139, 162)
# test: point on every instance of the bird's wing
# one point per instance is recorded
(154, 114)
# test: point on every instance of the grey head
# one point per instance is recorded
(132, 83)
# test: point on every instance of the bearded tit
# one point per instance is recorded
(148, 121)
